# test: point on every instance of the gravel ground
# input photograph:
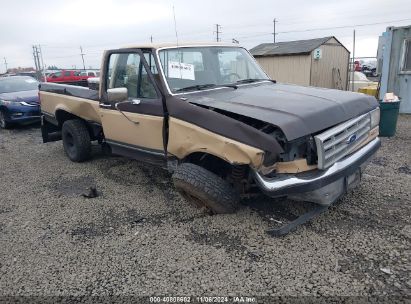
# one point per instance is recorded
(139, 237)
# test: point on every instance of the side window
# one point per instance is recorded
(126, 70)
(66, 73)
(90, 74)
(58, 74)
(151, 62)
(406, 56)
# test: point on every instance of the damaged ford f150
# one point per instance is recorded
(209, 114)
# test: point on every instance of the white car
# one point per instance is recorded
(90, 73)
(360, 81)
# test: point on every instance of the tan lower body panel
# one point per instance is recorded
(186, 138)
(84, 108)
(141, 130)
(296, 166)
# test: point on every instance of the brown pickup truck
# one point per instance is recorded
(209, 114)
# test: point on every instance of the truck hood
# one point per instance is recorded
(296, 110)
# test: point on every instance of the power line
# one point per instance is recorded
(326, 28)
(218, 32)
(344, 26)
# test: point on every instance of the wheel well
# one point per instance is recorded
(62, 116)
(236, 175)
(95, 130)
(210, 162)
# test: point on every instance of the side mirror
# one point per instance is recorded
(117, 95)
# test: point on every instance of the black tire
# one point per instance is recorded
(4, 124)
(76, 140)
(205, 189)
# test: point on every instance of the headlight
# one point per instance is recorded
(9, 102)
(375, 117)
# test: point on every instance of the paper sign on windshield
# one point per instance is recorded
(180, 70)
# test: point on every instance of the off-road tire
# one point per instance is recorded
(205, 189)
(76, 140)
(3, 122)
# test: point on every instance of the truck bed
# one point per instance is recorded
(79, 101)
(70, 90)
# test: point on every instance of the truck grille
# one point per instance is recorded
(342, 140)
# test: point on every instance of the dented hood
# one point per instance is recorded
(296, 110)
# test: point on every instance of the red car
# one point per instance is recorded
(67, 77)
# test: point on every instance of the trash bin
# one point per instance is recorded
(388, 119)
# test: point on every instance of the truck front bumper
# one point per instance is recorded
(320, 186)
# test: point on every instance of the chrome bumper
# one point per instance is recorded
(285, 184)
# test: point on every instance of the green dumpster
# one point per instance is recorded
(388, 118)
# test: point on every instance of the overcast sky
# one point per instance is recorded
(61, 27)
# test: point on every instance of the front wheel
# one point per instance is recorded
(76, 140)
(4, 124)
(205, 189)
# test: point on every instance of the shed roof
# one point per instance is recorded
(288, 47)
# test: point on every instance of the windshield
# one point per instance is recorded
(17, 84)
(205, 67)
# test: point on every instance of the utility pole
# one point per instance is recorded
(274, 22)
(353, 62)
(151, 38)
(38, 62)
(218, 32)
(35, 58)
(82, 57)
(5, 63)
(43, 68)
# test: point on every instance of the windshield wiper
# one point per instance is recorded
(196, 87)
(205, 86)
(250, 80)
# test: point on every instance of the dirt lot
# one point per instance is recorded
(140, 237)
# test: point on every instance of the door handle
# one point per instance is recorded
(105, 105)
(135, 101)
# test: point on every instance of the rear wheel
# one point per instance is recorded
(4, 124)
(205, 189)
(76, 140)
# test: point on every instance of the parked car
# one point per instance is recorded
(357, 65)
(90, 73)
(19, 101)
(369, 70)
(68, 77)
(93, 83)
(210, 115)
(360, 81)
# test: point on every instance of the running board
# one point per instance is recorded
(302, 219)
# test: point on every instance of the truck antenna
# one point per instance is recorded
(175, 24)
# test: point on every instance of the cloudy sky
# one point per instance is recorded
(61, 27)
